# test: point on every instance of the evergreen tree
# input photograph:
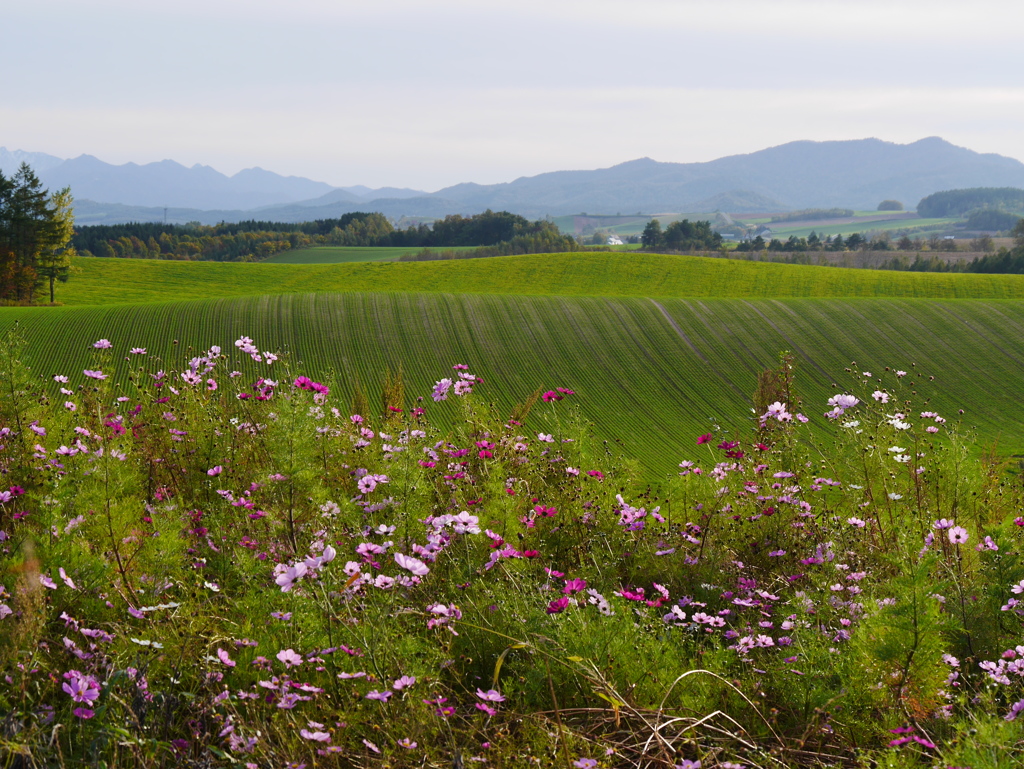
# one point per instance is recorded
(35, 229)
(652, 236)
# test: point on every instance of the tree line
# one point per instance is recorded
(35, 232)
(1005, 261)
(963, 202)
(681, 235)
(257, 240)
(856, 242)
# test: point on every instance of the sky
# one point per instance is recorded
(409, 93)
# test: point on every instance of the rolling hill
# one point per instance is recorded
(658, 348)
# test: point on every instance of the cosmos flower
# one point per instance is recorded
(290, 657)
(958, 535)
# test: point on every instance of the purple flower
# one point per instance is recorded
(215, 470)
(81, 687)
(491, 695)
(381, 696)
(94, 374)
(102, 344)
(138, 351)
(958, 535)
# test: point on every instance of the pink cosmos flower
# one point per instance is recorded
(288, 575)
(215, 470)
(558, 605)
(81, 687)
(414, 565)
(290, 657)
(843, 401)
(138, 351)
(958, 535)
(102, 344)
(67, 580)
(316, 736)
(403, 683)
(380, 696)
(574, 586)
(94, 374)
(225, 658)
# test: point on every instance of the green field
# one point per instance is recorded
(655, 345)
(344, 254)
(912, 225)
(649, 373)
(107, 281)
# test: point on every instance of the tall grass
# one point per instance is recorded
(204, 567)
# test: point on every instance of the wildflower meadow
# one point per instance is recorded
(214, 561)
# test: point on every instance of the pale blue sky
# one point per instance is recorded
(426, 94)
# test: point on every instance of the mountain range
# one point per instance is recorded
(802, 174)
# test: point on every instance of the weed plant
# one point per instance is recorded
(216, 564)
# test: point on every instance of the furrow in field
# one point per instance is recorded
(648, 374)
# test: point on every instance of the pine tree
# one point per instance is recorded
(35, 230)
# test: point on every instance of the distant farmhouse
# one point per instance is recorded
(614, 240)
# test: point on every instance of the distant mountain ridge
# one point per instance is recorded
(172, 185)
(802, 174)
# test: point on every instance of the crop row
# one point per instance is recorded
(651, 374)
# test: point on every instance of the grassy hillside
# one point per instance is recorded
(107, 281)
(345, 254)
(648, 372)
(337, 255)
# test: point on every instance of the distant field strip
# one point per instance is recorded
(651, 374)
(110, 281)
(345, 254)
(337, 255)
